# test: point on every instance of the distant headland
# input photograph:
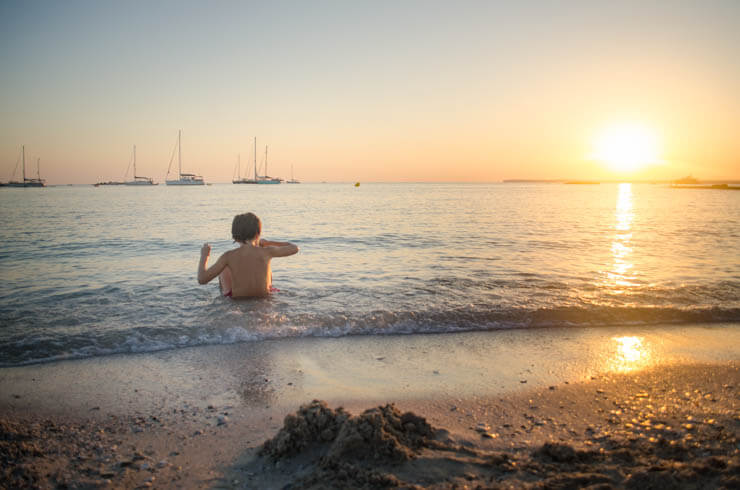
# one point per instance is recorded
(683, 183)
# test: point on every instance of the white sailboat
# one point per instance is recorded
(239, 179)
(183, 179)
(292, 180)
(137, 179)
(27, 182)
(266, 179)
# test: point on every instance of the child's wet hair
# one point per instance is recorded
(245, 227)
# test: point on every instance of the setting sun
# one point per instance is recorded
(627, 147)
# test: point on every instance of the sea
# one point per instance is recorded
(95, 271)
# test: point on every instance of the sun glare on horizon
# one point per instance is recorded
(626, 148)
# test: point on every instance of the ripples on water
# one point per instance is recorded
(91, 271)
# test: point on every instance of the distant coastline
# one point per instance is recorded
(532, 181)
(612, 181)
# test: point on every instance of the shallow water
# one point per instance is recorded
(91, 271)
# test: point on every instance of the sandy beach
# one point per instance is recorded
(624, 407)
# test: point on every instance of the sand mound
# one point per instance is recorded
(381, 434)
(347, 449)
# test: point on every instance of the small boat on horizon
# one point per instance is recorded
(243, 180)
(689, 179)
(266, 179)
(110, 182)
(292, 180)
(138, 180)
(27, 182)
(183, 179)
(258, 179)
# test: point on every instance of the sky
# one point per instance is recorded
(419, 91)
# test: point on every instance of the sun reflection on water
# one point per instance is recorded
(619, 276)
(630, 353)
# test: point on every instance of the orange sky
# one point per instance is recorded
(418, 91)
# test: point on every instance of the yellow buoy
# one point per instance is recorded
(357, 184)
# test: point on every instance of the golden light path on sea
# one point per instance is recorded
(621, 246)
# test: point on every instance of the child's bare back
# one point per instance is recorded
(244, 271)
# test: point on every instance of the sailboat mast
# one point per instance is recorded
(255, 159)
(179, 154)
(266, 174)
(239, 166)
(24, 163)
(134, 162)
(38, 168)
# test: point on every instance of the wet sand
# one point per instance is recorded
(623, 407)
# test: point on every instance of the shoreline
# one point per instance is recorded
(197, 417)
(287, 372)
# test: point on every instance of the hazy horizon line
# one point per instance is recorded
(472, 182)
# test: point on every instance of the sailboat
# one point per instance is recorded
(183, 179)
(138, 180)
(292, 180)
(37, 182)
(266, 179)
(239, 179)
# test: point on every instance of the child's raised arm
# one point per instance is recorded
(206, 275)
(268, 243)
(279, 249)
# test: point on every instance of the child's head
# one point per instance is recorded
(246, 227)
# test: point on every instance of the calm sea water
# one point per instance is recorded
(93, 271)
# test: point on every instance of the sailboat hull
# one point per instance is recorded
(184, 182)
(108, 183)
(139, 182)
(25, 184)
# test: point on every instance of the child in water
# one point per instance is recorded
(244, 271)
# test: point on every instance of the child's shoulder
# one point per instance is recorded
(244, 251)
(234, 252)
